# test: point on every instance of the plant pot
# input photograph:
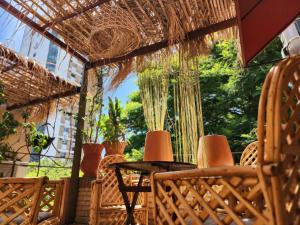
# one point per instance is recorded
(114, 147)
(91, 158)
(217, 151)
(158, 146)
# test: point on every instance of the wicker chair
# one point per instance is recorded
(51, 202)
(23, 201)
(274, 192)
(249, 155)
(107, 205)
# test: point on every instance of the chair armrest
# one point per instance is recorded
(226, 171)
(97, 181)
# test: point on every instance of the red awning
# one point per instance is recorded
(260, 21)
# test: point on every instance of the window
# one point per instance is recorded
(297, 24)
(52, 57)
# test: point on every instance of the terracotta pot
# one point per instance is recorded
(114, 147)
(218, 152)
(158, 146)
(91, 158)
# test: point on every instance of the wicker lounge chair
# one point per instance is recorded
(274, 192)
(30, 201)
(107, 204)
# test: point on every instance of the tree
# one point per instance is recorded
(230, 96)
(135, 122)
(54, 169)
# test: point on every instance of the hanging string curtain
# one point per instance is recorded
(153, 82)
(188, 109)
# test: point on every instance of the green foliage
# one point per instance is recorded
(35, 138)
(6, 151)
(112, 125)
(49, 169)
(94, 109)
(135, 122)
(8, 126)
(230, 95)
(134, 156)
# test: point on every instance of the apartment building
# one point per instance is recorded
(62, 125)
(290, 38)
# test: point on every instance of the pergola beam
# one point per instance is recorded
(44, 99)
(76, 13)
(163, 44)
(26, 20)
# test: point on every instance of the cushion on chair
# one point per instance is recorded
(20, 219)
(210, 221)
(44, 216)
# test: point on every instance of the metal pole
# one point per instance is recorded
(74, 181)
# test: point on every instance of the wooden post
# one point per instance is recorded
(74, 182)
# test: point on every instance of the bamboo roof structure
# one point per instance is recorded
(121, 29)
(26, 83)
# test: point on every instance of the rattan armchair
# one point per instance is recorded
(29, 201)
(107, 204)
(274, 188)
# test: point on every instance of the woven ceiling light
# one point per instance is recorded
(116, 33)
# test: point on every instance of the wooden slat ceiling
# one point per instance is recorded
(75, 20)
(26, 83)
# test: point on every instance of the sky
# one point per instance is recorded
(11, 31)
(11, 34)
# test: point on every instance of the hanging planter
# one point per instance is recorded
(37, 139)
(91, 158)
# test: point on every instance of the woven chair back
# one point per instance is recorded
(111, 196)
(281, 96)
(249, 156)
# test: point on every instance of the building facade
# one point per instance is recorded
(60, 123)
(291, 36)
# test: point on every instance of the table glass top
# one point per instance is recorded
(152, 166)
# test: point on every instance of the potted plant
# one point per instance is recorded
(153, 82)
(113, 129)
(92, 149)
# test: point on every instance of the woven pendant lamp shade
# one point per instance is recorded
(115, 33)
